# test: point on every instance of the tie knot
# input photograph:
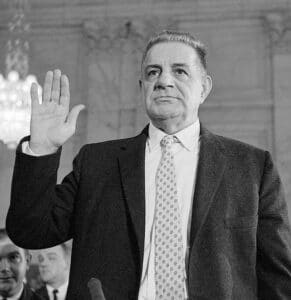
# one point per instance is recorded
(167, 141)
(55, 291)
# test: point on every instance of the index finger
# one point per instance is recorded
(65, 91)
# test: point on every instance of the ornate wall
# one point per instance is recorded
(98, 44)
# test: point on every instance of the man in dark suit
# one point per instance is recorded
(14, 262)
(173, 213)
(54, 267)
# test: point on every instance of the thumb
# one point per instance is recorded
(73, 115)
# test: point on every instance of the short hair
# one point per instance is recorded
(4, 235)
(186, 38)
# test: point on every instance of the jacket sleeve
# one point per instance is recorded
(40, 213)
(273, 238)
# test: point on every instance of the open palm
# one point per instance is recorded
(52, 123)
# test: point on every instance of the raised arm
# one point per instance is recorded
(41, 211)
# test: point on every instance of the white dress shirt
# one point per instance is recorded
(62, 291)
(185, 160)
(15, 297)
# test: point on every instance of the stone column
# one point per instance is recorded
(279, 29)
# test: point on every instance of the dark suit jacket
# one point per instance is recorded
(28, 294)
(240, 241)
(43, 293)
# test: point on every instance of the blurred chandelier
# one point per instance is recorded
(15, 101)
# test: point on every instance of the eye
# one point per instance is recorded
(52, 258)
(180, 71)
(14, 257)
(40, 258)
(152, 73)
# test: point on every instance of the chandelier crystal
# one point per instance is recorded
(15, 100)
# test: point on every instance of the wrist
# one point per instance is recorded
(42, 149)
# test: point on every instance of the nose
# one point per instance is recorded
(4, 265)
(164, 80)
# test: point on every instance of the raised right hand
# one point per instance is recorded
(52, 124)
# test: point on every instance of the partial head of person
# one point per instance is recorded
(14, 262)
(54, 264)
(174, 80)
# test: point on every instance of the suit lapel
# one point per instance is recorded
(43, 293)
(211, 167)
(26, 293)
(131, 163)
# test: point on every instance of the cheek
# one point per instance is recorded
(55, 266)
(147, 89)
(59, 266)
(18, 271)
(193, 95)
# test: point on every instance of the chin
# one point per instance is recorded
(45, 278)
(164, 112)
(166, 116)
(7, 288)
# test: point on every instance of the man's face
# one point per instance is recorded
(53, 265)
(13, 267)
(173, 84)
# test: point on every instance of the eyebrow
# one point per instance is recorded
(52, 253)
(14, 252)
(10, 253)
(173, 65)
(181, 65)
(152, 66)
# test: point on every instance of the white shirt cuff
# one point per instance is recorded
(26, 149)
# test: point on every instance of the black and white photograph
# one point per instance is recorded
(145, 150)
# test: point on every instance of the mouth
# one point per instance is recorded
(44, 272)
(6, 278)
(165, 98)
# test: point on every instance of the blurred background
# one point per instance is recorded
(98, 43)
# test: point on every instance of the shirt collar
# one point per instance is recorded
(188, 136)
(15, 297)
(61, 289)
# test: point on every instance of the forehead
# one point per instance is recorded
(7, 247)
(171, 53)
(57, 250)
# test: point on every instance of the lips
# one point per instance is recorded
(165, 98)
(6, 278)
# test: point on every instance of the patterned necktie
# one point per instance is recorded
(55, 291)
(169, 262)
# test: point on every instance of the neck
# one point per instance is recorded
(170, 127)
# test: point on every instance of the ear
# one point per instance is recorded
(206, 87)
